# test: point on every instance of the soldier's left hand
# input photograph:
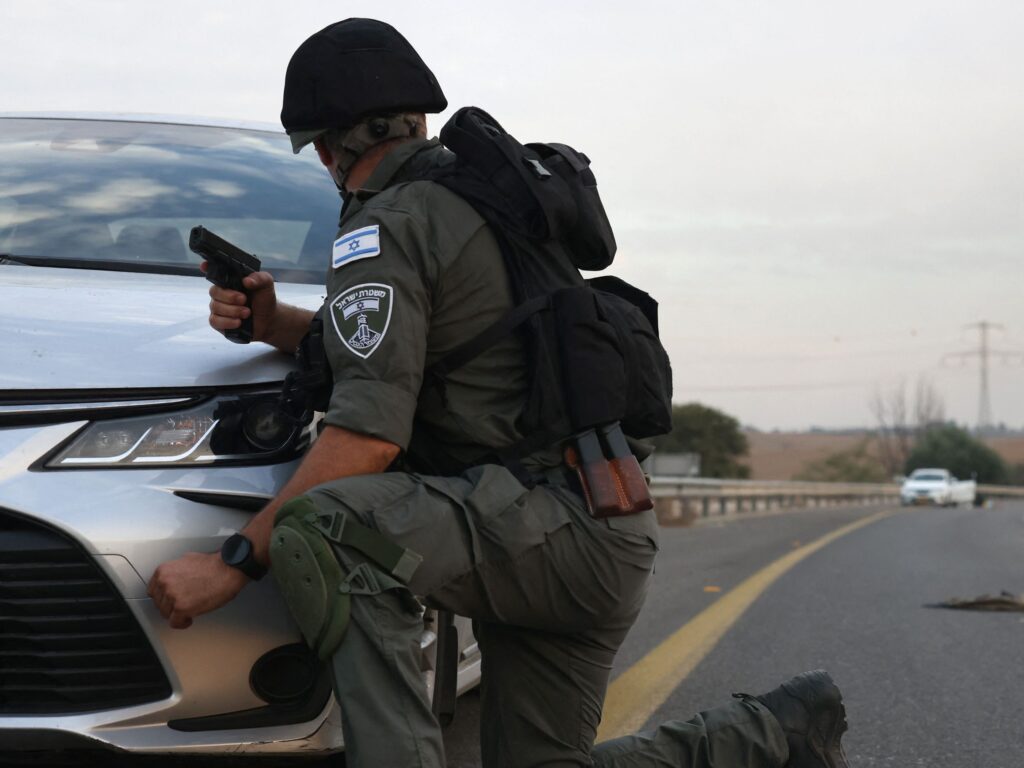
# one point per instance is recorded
(192, 585)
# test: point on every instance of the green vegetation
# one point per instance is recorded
(1015, 474)
(944, 446)
(715, 435)
(951, 447)
(854, 465)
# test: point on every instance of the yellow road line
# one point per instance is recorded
(635, 695)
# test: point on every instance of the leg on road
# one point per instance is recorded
(799, 725)
(742, 733)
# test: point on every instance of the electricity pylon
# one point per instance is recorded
(983, 352)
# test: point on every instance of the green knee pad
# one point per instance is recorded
(309, 576)
(315, 586)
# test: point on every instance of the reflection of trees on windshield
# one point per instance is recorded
(70, 191)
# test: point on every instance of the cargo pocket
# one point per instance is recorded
(639, 527)
(507, 518)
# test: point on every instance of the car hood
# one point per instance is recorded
(77, 329)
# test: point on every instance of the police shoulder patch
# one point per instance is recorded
(363, 243)
(361, 316)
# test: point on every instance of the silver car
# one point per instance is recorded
(120, 415)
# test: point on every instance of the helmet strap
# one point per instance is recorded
(367, 134)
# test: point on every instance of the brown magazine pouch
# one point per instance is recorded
(611, 487)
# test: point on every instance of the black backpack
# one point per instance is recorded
(592, 345)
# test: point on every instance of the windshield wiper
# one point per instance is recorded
(6, 258)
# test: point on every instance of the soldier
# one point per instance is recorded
(413, 273)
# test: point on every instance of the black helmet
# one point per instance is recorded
(351, 70)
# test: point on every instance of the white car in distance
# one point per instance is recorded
(937, 486)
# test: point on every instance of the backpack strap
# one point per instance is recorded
(510, 456)
(487, 338)
(578, 161)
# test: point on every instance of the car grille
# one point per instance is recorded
(68, 642)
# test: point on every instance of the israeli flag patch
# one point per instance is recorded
(362, 244)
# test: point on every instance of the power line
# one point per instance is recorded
(823, 357)
(777, 387)
(983, 352)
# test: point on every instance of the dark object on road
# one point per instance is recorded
(1004, 601)
(809, 707)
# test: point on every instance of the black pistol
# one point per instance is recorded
(227, 264)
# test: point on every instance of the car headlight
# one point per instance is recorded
(230, 429)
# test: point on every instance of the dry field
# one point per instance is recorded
(1010, 448)
(781, 455)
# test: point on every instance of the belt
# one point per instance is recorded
(562, 477)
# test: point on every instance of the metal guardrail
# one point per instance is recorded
(682, 500)
(1001, 491)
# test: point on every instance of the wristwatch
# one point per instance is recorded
(236, 551)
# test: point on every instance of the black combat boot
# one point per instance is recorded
(810, 710)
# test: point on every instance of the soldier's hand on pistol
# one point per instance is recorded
(227, 307)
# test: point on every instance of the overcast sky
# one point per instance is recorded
(821, 195)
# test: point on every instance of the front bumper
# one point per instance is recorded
(925, 498)
(128, 522)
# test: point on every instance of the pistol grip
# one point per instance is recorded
(242, 334)
(222, 277)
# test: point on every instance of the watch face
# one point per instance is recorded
(236, 550)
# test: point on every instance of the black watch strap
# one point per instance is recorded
(237, 551)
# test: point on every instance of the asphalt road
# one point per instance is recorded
(923, 686)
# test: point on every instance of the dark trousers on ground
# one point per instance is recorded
(552, 593)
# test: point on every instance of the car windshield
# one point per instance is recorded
(931, 476)
(124, 195)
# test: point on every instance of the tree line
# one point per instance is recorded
(911, 432)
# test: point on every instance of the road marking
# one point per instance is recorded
(638, 692)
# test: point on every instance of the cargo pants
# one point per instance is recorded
(552, 593)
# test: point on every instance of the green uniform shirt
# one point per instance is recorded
(414, 273)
